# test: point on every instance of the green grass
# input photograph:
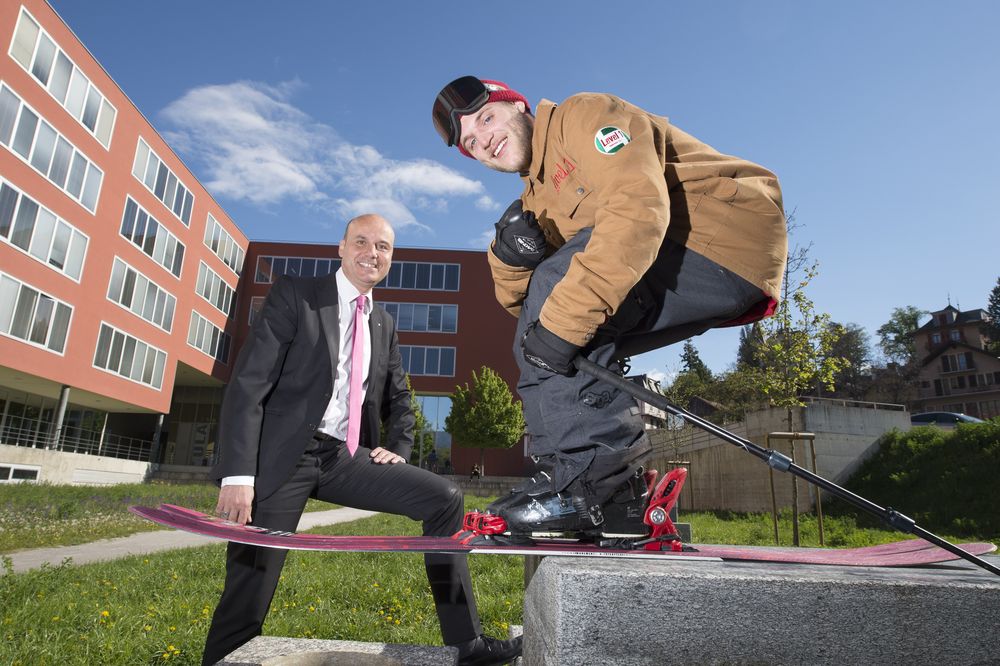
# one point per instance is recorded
(42, 515)
(156, 609)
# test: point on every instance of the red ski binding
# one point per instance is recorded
(483, 523)
(661, 501)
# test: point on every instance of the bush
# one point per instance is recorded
(945, 480)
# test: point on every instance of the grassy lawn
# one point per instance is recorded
(41, 515)
(156, 608)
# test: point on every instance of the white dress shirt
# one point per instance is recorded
(334, 421)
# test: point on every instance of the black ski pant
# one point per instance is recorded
(580, 423)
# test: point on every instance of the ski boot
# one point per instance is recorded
(635, 516)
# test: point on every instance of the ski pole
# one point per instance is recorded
(778, 461)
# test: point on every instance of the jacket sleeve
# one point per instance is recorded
(632, 212)
(256, 371)
(510, 283)
(396, 411)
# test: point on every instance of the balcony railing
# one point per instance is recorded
(947, 390)
(37, 434)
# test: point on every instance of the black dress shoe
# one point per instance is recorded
(488, 651)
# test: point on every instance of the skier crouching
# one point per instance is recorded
(630, 235)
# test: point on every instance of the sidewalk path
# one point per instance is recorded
(151, 542)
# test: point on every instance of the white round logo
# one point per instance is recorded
(609, 140)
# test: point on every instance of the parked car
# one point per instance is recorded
(942, 419)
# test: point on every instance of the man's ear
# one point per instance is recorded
(520, 106)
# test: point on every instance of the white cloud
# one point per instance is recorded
(486, 202)
(257, 146)
(484, 239)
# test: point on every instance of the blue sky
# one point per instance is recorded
(880, 118)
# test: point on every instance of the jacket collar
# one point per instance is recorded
(539, 140)
(329, 317)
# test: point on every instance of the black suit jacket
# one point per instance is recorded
(283, 380)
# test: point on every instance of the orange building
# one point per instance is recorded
(126, 290)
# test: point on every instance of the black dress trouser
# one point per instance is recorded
(327, 472)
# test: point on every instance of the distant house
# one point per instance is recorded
(957, 372)
(652, 417)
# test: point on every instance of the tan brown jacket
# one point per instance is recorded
(633, 186)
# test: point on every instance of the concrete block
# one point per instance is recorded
(635, 612)
(281, 651)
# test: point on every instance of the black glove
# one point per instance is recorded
(546, 350)
(520, 241)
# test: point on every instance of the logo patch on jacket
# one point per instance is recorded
(609, 140)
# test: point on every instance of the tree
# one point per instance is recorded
(893, 378)
(485, 416)
(423, 436)
(896, 338)
(853, 380)
(692, 362)
(751, 339)
(991, 328)
(796, 355)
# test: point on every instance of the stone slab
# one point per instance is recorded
(590, 611)
(282, 651)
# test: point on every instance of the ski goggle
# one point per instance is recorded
(462, 96)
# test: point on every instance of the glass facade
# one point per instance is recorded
(36, 51)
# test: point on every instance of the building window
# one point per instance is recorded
(36, 142)
(150, 170)
(954, 336)
(140, 295)
(37, 52)
(34, 229)
(33, 316)
(270, 269)
(129, 357)
(209, 338)
(152, 237)
(422, 275)
(935, 338)
(428, 361)
(223, 245)
(429, 317)
(18, 473)
(214, 289)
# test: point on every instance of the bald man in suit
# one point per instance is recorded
(284, 434)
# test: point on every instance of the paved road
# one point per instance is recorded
(151, 542)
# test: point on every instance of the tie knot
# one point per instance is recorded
(360, 302)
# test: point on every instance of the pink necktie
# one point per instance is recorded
(354, 391)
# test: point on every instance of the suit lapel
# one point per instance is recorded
(329, 317)
(378, 342)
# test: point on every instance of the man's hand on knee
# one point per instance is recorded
(385, 457)
(546, 350)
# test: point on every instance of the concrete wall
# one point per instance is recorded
(75, 468)
(724, 477)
